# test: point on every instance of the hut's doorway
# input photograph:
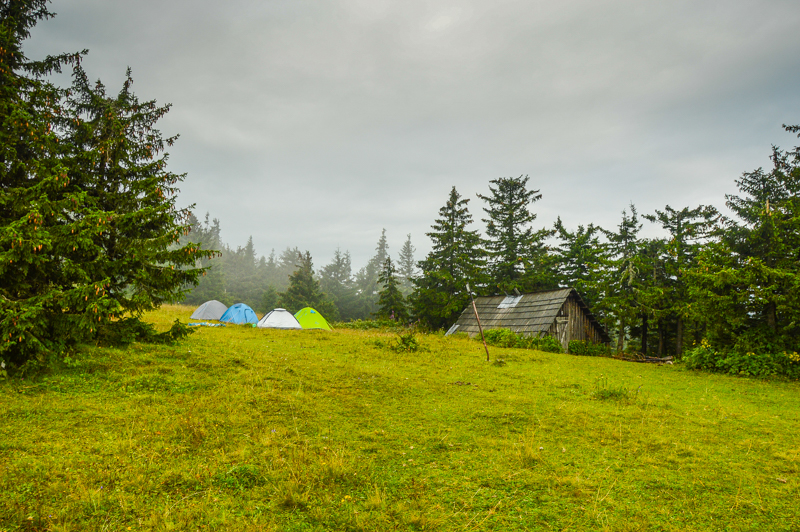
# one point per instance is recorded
(562, 330)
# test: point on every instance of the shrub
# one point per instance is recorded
(578, 347)
(749, 364)
(508, 338)
(365, 325)
(406, 343)
(549, 344)
(502, 338)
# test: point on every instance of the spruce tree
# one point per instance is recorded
(304, 291)
(212, 283)
(518, 254)
(406, 267)
(688, 229)
(367, 283)
(117, 157)
(581, 259)
(44, 307)
(456, 258)
(391, 304)
(76, 182)
(747, 284)
(622, 281)
(336, 279)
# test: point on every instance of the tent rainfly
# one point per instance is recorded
(210, 310)
(239, 313)
(279, 319)
(559, 313)
(311, 319)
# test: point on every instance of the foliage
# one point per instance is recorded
(749, 364)
(406, 267)
(518, 255)
(622, 279)
(88, 219)
(366, 279)
(129, 330)
(581, 259)
(406, 343)
(367, 325)
(747, 285)
(391, 303)
(238, 275)
(592, 349)
(455, 260)
(502, 337)
(304, 291)
(117, 157)
(336, 280)
(666, 296)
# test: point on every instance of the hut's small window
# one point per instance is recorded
(509, 302)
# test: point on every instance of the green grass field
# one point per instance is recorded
(245, 429)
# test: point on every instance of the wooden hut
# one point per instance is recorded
(559, 313)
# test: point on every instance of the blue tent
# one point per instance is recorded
(239, 313)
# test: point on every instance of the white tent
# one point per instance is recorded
(279, 319)
(210, 310)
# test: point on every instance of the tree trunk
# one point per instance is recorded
(660, 339)
(621, 336)
(644, 334)
(772, 317)
(679, 338)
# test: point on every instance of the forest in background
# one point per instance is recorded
(729, 283)
(240, 275)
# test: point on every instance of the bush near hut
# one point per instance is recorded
(591, 349)
(507, 338)
(750, 364)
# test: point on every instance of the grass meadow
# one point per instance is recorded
(239, 428)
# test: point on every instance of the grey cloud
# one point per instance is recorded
(335, 119)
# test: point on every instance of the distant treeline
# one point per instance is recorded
(239, 275)
(728, 283)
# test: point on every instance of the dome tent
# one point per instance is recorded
(210, 310)
(279, 319)
(239, 313)
(311, 319)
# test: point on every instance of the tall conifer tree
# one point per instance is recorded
(581, 259)
(79, 175)
(518, 254)
(748, 284)
(622, 282)
(456, 258)
(367, 282)
(391, 303)
(336, 279)
(688, 229)
(406, 267)
(304, 290)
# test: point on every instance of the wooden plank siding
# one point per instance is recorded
(537, 314)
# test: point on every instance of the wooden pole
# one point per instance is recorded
(480, 327)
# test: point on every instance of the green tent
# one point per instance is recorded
(311, 319)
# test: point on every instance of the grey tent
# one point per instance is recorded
(210, 310)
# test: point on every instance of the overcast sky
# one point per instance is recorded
(316, 124)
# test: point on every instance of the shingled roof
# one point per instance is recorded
(529, 314)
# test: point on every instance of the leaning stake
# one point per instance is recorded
(480, 328)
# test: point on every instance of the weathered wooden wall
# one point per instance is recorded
(579, 327)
